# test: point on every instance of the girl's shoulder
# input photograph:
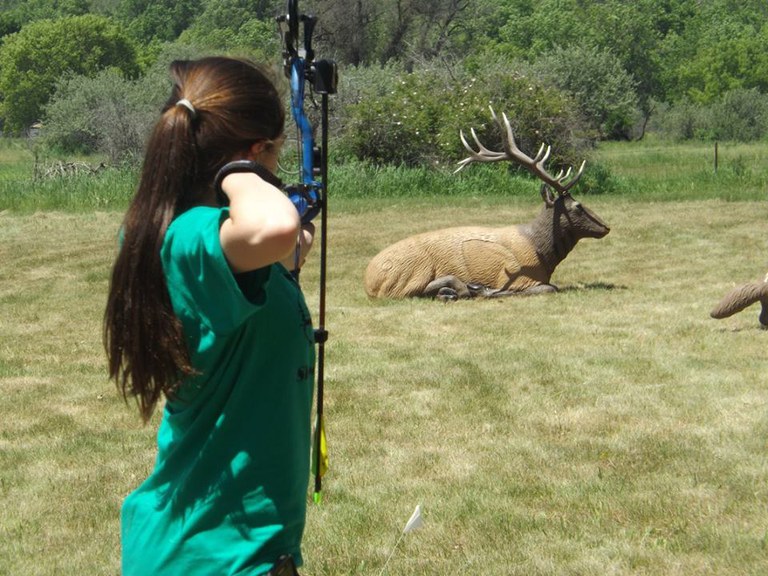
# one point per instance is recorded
(195, 225)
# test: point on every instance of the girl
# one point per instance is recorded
(204, 315)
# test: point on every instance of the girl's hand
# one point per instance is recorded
(305, 239)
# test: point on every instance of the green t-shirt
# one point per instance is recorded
(229, 489)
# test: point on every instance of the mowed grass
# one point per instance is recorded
(612, 428)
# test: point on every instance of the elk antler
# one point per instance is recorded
(562, 182)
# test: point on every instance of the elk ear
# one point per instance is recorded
(547, 195)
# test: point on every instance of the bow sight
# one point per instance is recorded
(309, 195)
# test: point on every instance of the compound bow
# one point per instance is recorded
(310, 194)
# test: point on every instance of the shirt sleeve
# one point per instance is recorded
(200, 281)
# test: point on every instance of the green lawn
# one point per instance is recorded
(613, 428)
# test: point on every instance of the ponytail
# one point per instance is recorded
(144, 340)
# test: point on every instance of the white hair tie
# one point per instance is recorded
(188, 105)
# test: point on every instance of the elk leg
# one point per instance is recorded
(447, 288)
(539, 289)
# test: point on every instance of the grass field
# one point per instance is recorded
(613, 428)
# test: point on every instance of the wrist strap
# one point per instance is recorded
(242, 166)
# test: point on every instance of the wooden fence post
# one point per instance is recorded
(716, 157)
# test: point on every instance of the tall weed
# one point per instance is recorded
(109, 189)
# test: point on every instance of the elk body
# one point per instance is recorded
(472, 261)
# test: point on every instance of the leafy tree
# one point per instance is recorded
(233, 25)
(359, 32)
(10, 22)
(631, 32)
(727, 65)
(347, 30)
(398, 24)
(15, 13)
(438, 23)
(33, 59)
(158, 20)
(529, 28)
(23, 11)
(721, 47)
(105, 7)
(622, 37)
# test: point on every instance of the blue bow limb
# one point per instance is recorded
(305, 196)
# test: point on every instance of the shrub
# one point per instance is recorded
(595, 79)
(739, 115)
(597, 179)
(109, 114)
(681, 121)
(96, 114)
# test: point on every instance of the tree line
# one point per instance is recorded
(413, 72)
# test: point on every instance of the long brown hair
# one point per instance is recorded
(231, 104)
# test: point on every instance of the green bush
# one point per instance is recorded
(681, 121)
(740, 115)
(597, 179)
(603, 91)
(110, 114)
(89, 115)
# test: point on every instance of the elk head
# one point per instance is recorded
(578, 217)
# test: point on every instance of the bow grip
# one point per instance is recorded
(306, 200)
